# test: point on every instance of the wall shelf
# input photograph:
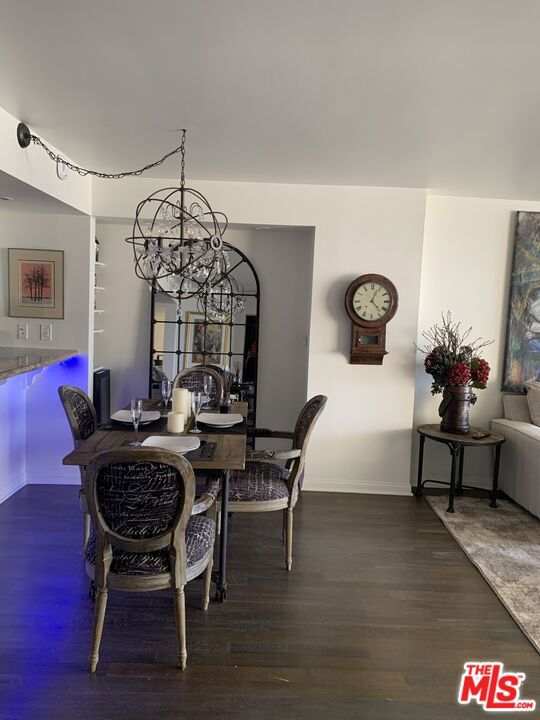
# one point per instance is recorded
(98, 332)
(100, 264)
(98, 287)
(99, 312)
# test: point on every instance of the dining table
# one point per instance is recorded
(221, 450)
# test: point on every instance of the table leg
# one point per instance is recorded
(418, 490)
(493, 499)
(221, 589)
(455, 450)
(459, 485)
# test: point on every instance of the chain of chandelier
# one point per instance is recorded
(177, 238)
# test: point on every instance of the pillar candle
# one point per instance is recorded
(175, 422)
(180, 401)
(189, 410)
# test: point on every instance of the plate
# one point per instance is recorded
(179, 445)
(227, 420)
(124, 416)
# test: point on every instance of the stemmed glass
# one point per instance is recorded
(136, 414)
(196, 405)
(166, 392)
(207, 387)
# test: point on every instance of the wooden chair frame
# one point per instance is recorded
(77, 439)
(294, 463)
(201, 369)
(174, 538)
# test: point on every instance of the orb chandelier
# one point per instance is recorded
(177, 241)
(223, 299)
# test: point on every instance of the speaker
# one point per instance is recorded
(102, 394)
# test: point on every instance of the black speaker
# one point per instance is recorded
(102, 394)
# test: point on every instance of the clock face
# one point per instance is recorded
(371, 301)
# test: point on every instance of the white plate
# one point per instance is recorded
(174, 444)
(218, 420)
(124, 416)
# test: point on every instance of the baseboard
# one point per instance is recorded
(12, 488)
(53, 479)
(359, 486)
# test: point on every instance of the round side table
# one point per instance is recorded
(457, 445)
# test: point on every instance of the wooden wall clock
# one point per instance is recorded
(371, 302)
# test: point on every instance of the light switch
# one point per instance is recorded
(45, 332)
(22, 331)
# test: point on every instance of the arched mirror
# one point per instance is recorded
(221, 329)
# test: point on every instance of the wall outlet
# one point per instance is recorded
(45, 332)
(22, 331)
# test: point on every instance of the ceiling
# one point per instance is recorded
(442, 94)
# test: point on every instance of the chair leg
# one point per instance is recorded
(288, 563)
(207, 583)
(284, 528)
(99, 617)
(218, 521)
(86, 529)
(180, 613)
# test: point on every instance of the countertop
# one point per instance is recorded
(19, 360)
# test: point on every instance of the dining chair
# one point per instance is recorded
(82, 419)
(265, 485)
(193, 378)
(144, 535)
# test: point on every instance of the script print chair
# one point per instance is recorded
(82, 419)
(193, 379)
(145, 537)
(265, 485)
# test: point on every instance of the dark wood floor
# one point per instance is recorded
(375, 621)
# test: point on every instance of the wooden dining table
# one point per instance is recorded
(229, 453)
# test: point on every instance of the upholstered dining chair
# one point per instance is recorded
(82, 419)
(144, 535)
(266, 485)
(192, 379)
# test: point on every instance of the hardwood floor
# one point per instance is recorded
(375, 621)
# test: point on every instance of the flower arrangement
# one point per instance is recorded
(452, 358)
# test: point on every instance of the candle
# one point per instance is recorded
(189, 401)
(180, 401)
(175, 422)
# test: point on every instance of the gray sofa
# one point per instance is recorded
(520, 457)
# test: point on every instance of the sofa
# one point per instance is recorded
(520, 458)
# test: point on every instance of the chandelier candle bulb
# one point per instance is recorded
(175, 422)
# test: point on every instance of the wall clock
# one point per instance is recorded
(371, 302)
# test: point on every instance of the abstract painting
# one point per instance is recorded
(212, 339)
(522, 354)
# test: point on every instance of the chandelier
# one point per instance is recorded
(177, 241)
(177, 238)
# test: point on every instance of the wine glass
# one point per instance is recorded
(136, 413)
(166, 392)
(196, 405)
(207, 387)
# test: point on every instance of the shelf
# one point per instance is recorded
(98, 287)
(98, 332)
(99, 312)
(99, 264)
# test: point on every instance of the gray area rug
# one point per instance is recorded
(504, 544)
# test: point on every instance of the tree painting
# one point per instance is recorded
(36, 283)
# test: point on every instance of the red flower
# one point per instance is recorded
(480, 371)
(459, 374)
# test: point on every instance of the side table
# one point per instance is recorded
(457, 445)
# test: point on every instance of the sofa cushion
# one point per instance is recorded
(516, 407)
(521, 428)
(533, 400)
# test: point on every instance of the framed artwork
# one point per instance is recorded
(522, 353)
(36, 283)
(214, 339)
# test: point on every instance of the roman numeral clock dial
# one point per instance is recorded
(371, 302)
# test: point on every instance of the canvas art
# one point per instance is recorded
(36, 283)
(212, 339)
(522, 355)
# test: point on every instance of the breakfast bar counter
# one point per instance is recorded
(19, 360)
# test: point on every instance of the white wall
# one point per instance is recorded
(363, 440)
(466, 269)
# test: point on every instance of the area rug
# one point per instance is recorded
(504, 544)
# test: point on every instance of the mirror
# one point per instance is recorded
(202, 332)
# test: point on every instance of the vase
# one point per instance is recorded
(454, 409)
